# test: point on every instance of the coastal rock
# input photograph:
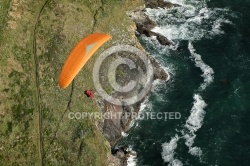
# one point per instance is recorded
(121, 116)
(122, 153)
(145, 26)
(112, 126)
(113, 160)
(159, 73)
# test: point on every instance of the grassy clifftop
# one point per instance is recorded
(35, 39)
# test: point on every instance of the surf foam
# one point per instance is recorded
(195, 120)
(193, 123)
(208, 73)
(132, 159)
(193, 20)
(168, 152)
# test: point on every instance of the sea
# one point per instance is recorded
(209, 85)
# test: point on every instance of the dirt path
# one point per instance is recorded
(37, 83)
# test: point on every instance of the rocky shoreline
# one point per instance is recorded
(112, 129)
(144, 24)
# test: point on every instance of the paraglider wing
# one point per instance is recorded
(79, 56)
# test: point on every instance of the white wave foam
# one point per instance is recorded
(158, 85)
(186, 2)
(153, 42)
(192, 21)
(195, 151)
(195, 120)
(176, 162)
(124, 134)
(196, 117)
(178, 2)
(208, 73)
(193, 123)
(132, 159)
(145, 106)
(168, 152)
(167, 71)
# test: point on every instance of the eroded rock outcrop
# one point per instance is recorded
(122, 115)
(144, 25)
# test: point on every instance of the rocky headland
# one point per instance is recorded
(112, 129)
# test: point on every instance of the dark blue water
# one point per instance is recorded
(223, 137)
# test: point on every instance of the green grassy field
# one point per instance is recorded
(35, 39)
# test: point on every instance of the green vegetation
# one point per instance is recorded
(29, 53)
(4, 6)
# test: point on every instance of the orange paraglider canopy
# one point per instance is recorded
(79, 56)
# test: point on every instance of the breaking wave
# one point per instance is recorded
(168, 152)
(207, 70)
(195, 120)
(132, 159)
(190, 20)
(193, 123)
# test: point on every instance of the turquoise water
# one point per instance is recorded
(219, 32)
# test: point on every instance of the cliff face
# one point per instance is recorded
(113, 127)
